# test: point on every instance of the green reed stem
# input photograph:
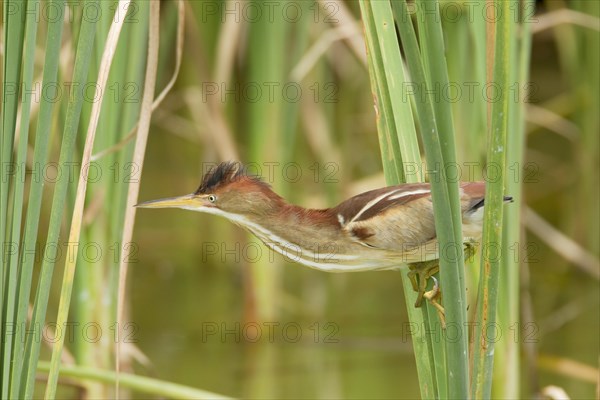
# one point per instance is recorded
(152, 386)
(76, 99)
(13, 46)
(506, 380)
(22, 295)
(483, 351)
(445, 200)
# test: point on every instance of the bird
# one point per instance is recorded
(381, 229)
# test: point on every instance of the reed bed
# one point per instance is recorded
(96, 92)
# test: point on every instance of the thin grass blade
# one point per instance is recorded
(13, 46)
(138, 160)
(22, 294)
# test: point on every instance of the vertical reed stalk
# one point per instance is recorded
(381, 39)
(24, 281)
(138, 161)
(11, 230)
(427, 69)
(506, 380)
(265, 125)
(445, 199)
(500, 34)
(23, 340)
(76, 221)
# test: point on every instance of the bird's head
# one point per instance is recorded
(228, 190)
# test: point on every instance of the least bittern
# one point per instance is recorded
(380, 229)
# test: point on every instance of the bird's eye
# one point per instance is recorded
(212, 198)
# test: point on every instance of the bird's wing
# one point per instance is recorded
(398, 218)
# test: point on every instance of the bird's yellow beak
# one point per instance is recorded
(188, 201)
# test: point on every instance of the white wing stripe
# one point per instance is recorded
(372, 203)
(400, 195)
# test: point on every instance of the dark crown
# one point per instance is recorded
(223, 174)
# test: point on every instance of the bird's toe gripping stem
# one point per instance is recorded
(424, 271)
(433, 295)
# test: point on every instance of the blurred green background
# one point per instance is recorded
(372, 352)
(284, 87)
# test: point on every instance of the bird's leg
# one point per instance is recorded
(422, 270)
(469, 250)
(433, 295)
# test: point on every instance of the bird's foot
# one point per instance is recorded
(470, 250)
(423, 270)
(432, 296)
(419, 274)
